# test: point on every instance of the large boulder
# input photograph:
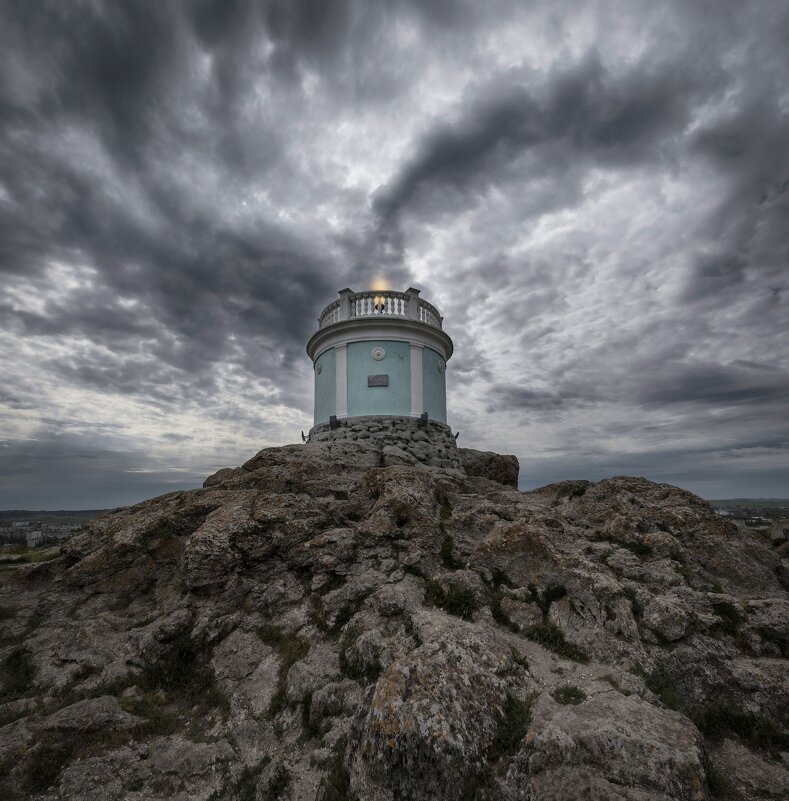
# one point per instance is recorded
(493, 466)
(430, 722)
(609, 748)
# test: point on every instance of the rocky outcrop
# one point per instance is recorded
(335, 621)
(493, 466)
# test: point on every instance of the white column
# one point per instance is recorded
(416, 379)
(413, 304)
(341, 368)
(345, 304)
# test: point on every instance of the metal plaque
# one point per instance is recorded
(378, 380)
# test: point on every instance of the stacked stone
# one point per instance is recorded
(401, 439)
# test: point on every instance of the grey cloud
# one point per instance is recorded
(584, 110)
(68, 472)
(717, 384)
(189, 163)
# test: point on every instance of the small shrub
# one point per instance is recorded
(729, 616)
(716, 719)
(18, 674)
(290, 650)
(460, 602)
(447, 553)
(336, 784)
(609, 679)
(317, 614)
(49, 760)
(278, 783)
(635, 604)
(183, 673)
(519, 659)
(513, 725)
(719, 785)
(552, 637)
(499, 615)
(544, 599)
(569, 695)
(456, 600)
(434, 593)
(248, 780)
(663, 686)
(158, 719)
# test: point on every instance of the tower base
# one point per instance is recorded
(405, 437)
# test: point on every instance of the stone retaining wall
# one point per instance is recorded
(401, 439)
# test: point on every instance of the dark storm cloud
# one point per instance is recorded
(716, 384)
(183, 185)
(584, 111)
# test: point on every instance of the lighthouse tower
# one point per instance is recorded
(380, 362)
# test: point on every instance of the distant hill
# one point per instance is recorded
(768, 503)
(51, 516)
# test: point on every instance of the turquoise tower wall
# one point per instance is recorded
(325, 386)
(393, 399)
(434, 392)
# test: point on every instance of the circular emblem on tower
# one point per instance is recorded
(378, 353)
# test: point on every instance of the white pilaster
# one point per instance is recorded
(416, 379)
(341, 368)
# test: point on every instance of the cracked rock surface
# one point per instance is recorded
(329, 622)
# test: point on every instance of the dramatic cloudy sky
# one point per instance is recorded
(595, 194)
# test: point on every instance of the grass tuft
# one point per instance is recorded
(513, 725)
(456, 600)
(182, 672)
(290, 650)
(569, 695)
(552, 637)
(336, 784)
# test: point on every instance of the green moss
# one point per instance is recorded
(552, 637)
(569, 695)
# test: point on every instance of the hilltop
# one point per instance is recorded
(337, 621)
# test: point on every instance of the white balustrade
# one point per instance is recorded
(405, 305)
